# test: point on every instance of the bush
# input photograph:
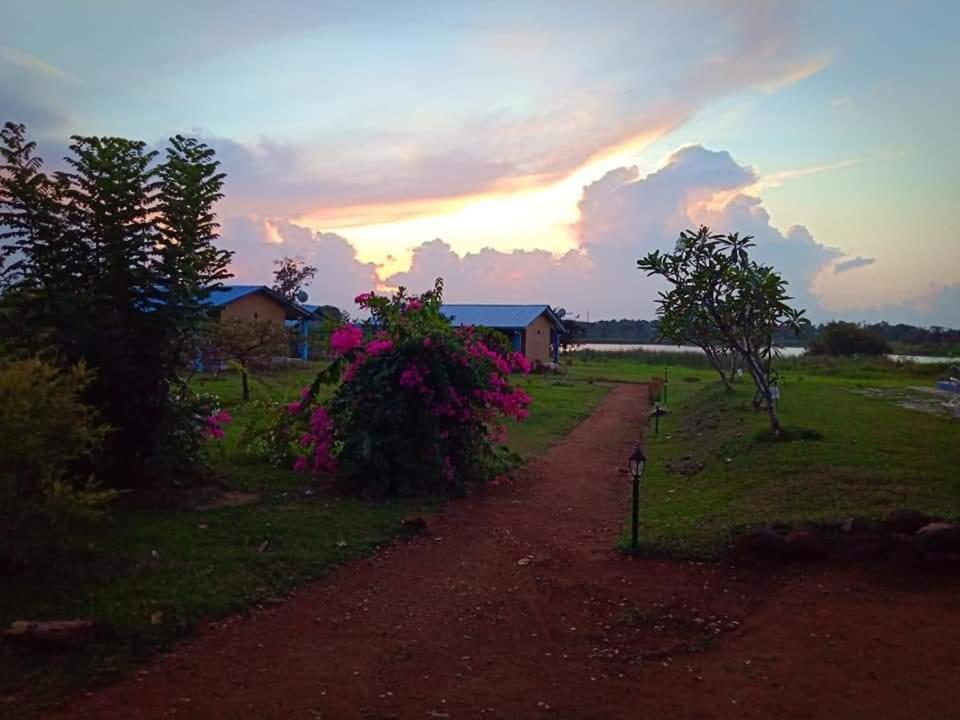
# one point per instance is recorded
(845, 339)
(48, 439)
(419, 404)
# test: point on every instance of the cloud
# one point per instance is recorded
(20, 98)
(523, 124)
(939, 305)
(32, 64)
(853, 264)
(340, 275)
(624, 216)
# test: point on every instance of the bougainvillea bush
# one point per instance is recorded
(420, 405)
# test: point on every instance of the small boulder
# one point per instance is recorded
(906, 521)
(760, 543)
(858, 526)
(51, 635)
(939, 537)
(415, 525)
(805, 546)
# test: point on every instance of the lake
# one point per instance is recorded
(786, 352)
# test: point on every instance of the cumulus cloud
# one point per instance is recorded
(622, 217)
(853, 264)
(257, 243)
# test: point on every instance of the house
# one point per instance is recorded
(259, 302)
(534, 330)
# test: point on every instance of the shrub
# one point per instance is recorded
(844, 338)
(48, 438)
(419, 405)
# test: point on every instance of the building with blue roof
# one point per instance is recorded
(534, 330)
(259, 302)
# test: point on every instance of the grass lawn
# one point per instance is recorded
(709, 473)
(154, 574)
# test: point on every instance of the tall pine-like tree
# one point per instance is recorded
(111, 262)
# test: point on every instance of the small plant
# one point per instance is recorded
(48, 440)
(419, 406)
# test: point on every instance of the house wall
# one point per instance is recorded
(537, 340)
(255, 306)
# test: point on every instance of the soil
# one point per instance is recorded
(515, 604)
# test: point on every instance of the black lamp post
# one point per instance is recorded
(638, 462)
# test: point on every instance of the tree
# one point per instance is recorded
(249, 344)
(110, 262)
(845, 338)
(718, 291)
(291, 274)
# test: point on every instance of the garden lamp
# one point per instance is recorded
(638, 463)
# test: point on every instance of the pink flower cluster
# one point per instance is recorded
(363, 299)
(318, 443)
(345, 339)
(214, 424)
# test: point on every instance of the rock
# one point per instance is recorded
(760, 543)
(415, 525)
(858, 526)
(939, 537)
(51, 635)
(805, 546)
(906, 521)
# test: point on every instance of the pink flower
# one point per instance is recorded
(300, 464)
(345, 339)
(364, 298)
(378, 346)
(293, 408)
(518, 361)
(305, 393)
(413, 304)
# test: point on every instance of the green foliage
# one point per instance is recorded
(110, 262)
(419, 403)
(47, 436)
(725, 303)
(843, 338)
(270, 433)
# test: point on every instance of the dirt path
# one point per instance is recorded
(460, 625)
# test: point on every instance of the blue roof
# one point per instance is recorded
(511, 317)
(231, 293)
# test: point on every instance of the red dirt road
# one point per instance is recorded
(462, 625)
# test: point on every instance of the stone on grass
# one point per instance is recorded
(805, 546)
(416, 525)
(906, 521)
(51, 635)
(939, 537)
(760, 543)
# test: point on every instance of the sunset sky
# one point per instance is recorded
(532, 151)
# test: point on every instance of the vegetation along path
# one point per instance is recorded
(517, 605)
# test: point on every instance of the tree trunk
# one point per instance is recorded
(245, 381)
(718, 366)
(763, 388)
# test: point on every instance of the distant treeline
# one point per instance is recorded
(646, 331)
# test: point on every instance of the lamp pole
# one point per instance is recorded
(638, 463)
(666, 383)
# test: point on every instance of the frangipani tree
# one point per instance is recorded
(720, 298)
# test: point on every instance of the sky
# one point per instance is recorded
(532, 151)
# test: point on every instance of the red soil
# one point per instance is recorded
(459, 625)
